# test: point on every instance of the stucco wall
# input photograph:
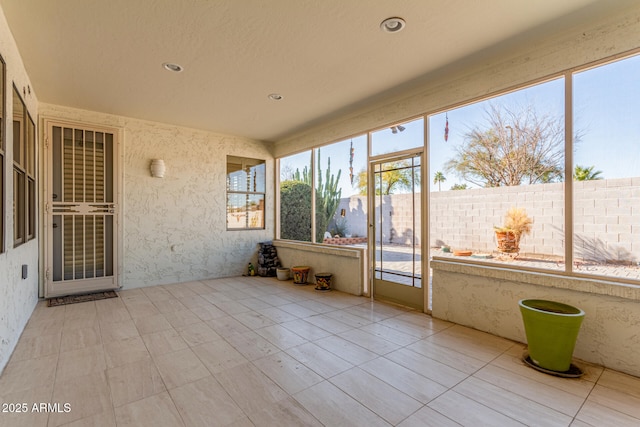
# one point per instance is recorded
(399, 213)
(174, 228)
(18, 296)
(487, 299)
(347, 265)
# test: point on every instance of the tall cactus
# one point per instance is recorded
(327, 194)
(327, 198)
(304, 177)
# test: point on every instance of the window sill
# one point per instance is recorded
(346, 251)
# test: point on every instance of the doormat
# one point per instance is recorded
(73, 299)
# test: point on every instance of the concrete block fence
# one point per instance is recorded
(606, 218)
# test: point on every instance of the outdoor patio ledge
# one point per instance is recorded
(347, 264)
(320, 248)
(550, 279)
(485, 297)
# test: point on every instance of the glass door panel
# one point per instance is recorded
(397, 225)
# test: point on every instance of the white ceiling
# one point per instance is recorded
(326, 57)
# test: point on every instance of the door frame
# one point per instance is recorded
(46, 230)
(424, 250)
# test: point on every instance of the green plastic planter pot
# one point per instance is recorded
(552, 330)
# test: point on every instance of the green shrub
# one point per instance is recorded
(295, 203)
(295, 211)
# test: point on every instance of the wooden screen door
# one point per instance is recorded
(81, 210)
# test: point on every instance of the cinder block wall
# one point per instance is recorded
(465, 219)
(605, 218)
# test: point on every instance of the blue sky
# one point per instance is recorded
(606, 103)
(606, 110)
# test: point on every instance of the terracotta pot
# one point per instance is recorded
(462, 253)
(508, 241)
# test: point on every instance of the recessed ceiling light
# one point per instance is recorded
(169, 66)
(275, 96)
(392, 25)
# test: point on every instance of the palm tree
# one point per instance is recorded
(439, 178)
(585, 173)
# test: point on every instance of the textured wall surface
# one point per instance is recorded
(464, 219)
(346, 264)
(605, 217)
(18, 296)
(488, 300)
(399, 216)
(175, 227)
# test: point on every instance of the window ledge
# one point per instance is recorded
(321, 248)
(579, 284)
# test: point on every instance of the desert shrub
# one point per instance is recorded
(295, 212)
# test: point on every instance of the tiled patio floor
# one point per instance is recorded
(256, 351)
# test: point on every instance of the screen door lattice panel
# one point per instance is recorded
(81, 206)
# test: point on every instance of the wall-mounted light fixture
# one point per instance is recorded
(395, 129)
(343, 212)
(157, 168)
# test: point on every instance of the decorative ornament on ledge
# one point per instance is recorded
(157, 168)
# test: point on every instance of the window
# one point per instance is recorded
(605, 175)
(295, 197)
(245, 193)
(31, 180)
(2, 133)
(341, 192)
(606, 170)
(339, 174)
(496, 178)
(396, 138)
(502, 162)
(24, 188)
